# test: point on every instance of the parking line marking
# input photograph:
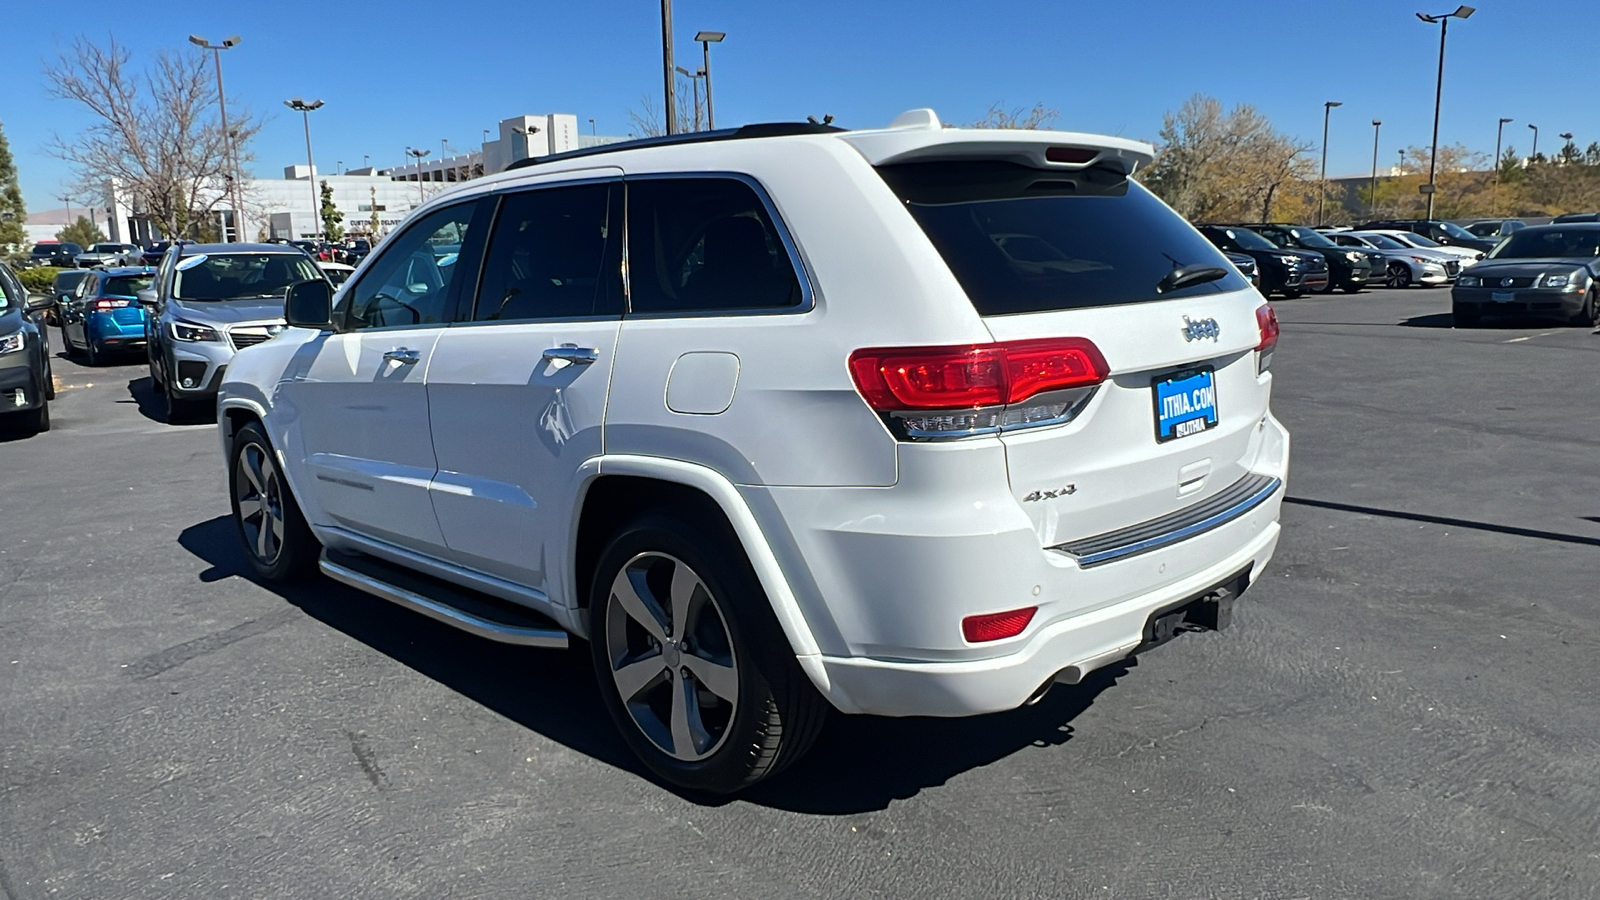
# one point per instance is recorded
(1514, 340)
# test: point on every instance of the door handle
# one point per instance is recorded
(402, 356)
(572, 353)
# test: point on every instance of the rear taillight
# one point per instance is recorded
(996, 626)
(103, 303)
(1267, 321)
(946, 392)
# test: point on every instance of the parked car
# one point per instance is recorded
(1403, 266)
(62, 287)
(1545, 270)
(1571, 218)
(209, 300)
(1495, 229)
(109, 255)
(1017, 347)
(357, 250)
(103, 316)
(1448, 234)
(1288, 272)
(62, 254)
(1246, 266)
(26, 386)
(1467, 255)
(337, 273)
(1348, 270)
(154, 253)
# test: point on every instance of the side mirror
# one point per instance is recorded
(309, 305)
(37, 302)
(146, 297)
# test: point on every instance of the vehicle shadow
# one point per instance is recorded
(859, 764)
(1432, 320)
(152, 405)
(1446, 320)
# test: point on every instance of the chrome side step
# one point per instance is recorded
(1232, 502)
(469, 611)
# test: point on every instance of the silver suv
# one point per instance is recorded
(209, 300)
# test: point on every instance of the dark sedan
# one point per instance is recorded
(1287, 272)
(1549, 271)
(1446, 233)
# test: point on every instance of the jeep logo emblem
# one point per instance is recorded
(1201, 329)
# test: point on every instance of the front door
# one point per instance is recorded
(359, 397)
(518, 394)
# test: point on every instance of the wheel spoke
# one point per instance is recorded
(249, 508)
(277, 527)
(251, 470)
(633, 677)
(684, 584)
(714, 676)
(264, 541)
(688, 734)
(626, 591)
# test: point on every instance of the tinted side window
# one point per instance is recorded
(548, 256)
(703, 245)
(409, 284)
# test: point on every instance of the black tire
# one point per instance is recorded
(1399, 275)
(1293, 295)
(69, 351)
(1589, 315)
(286, 551)
(49, 380)
(776, 713)
(181, 411)
(1351, 288)
(1465, 318)
(34, 421)
(92, 356)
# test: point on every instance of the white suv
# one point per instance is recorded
(910, 421)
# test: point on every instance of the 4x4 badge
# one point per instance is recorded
(1051, 495)
(1203, 328)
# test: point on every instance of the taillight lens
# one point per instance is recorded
(934, 392)
(996, 626)
(104, 303)
(1267, 321)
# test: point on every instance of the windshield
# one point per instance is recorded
(1309, 238)
(1248, 240)
(1022, 240)
(126, 285)
(44, 249)
(1456, 231)
(1382, 241)
(241, 276)
(106, 248)
(1540, 243)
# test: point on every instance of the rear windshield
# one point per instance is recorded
(1539, 243)
(126, 285)
(242, 276)
(1022, 240)
(1456, 231)
(66, 281)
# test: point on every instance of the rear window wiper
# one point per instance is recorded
(1184, 276)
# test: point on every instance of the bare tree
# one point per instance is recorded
(156, 134)
(1025, 118)
(1228, 165)
(649, 122)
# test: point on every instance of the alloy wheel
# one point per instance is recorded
(260, 501)
(671, 656)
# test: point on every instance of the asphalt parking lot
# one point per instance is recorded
(1406, 705)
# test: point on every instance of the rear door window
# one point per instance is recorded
(1023, 240)
(548, 259)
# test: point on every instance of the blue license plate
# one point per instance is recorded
(1185, 404)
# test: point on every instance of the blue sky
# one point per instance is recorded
(406, 72)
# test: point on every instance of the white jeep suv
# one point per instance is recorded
(914, 421)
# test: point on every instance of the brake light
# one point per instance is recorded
(1267, 321)
(1078, 155)
(996, 626)
(934, 392)
(103, 303)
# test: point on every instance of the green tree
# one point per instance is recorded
(13, 212)
(331, 216)
(83, 232)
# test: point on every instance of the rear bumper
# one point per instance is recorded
(884, 577)
(108, 333)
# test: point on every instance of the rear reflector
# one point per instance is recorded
(1267, 321)
(966, 377)
(995, 626)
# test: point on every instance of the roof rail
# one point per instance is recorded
(744, 132)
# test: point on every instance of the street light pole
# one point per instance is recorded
(1443, 20)
(694, 83)
(669, 70)
(229, 150)
(1535, 142)
(1322, 199)
(1499, 132)
(1372, 193)
(305, 109)
(418, 155)
(706, 39)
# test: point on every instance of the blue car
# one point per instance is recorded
(103, 315)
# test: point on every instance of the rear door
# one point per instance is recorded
(1086, 255)
(518, 391)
